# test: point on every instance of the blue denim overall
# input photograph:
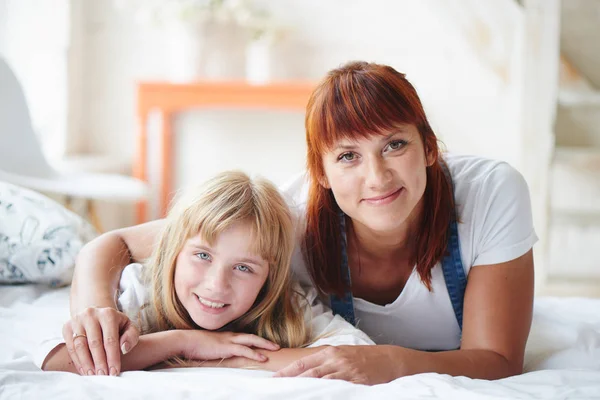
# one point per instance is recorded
(452, 267)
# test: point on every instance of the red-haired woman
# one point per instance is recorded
(428, 253)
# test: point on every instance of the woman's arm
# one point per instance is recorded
(101, 261)
(93, 297)
(326, 330)
(497, 318)
(275, 360)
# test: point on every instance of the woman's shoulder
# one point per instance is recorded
(473, 169)
(475, 176)
(494, 209)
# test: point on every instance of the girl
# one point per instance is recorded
(431, 253)
(221, 264)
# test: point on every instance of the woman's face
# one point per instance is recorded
(378, 181)
(220, 282)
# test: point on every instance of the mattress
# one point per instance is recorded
(562, 361)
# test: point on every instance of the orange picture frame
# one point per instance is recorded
(171, 98)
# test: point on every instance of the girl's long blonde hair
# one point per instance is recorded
(230, 198)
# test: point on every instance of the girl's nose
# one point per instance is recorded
(217, 279)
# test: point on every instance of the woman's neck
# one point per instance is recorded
(384, 246)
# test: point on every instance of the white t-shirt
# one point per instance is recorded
(134, 295)
(495, 226)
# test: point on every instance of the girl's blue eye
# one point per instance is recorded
(347, 157)
(242, 268)
(203, 256)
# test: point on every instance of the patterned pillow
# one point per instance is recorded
(39, 238)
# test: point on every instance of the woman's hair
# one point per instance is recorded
(230, 198)
(356, 101)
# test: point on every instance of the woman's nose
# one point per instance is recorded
(377, 173)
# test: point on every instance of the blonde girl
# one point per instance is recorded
(221, 264)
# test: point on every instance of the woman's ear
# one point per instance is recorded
(323, 181)
(430, 156)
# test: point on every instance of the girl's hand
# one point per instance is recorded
(206, 345)
(368, 365)
(95, 339)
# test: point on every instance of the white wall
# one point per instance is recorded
(473, 105)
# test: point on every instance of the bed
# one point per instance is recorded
(563, 361)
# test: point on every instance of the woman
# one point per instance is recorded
(392, 231)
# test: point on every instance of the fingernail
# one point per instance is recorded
(100, 372)
(113, 371)
(124, 347)
(263, 357)
(81, 371)
(91, 372)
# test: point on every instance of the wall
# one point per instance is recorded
(34, 39)
(473, 104)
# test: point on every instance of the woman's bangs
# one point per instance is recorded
(356, 107)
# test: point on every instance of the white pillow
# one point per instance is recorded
(39, 238)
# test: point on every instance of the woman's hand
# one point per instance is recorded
(95, 338)
(368, 365)
(206, 345)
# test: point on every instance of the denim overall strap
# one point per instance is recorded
(454, 273)
(344, 306)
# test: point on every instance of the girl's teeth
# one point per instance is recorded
(210, 303)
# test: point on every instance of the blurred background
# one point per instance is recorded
(507, 79)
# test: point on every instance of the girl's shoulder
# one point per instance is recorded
(295, 191)
(134, 296)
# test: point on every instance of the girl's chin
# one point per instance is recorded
(208, 326)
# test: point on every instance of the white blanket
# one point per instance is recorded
(562, 361)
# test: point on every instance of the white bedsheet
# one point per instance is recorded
(563, 361)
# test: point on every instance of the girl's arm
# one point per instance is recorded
(151, 349)
(93, 296)
(154, 348)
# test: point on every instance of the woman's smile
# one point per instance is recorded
(384, 199)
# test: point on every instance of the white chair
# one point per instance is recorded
(23, 163)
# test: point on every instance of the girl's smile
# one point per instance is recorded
(211, 307)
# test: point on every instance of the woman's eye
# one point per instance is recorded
(242, 268)
(396, 144)
(347, 157)
(203, 256)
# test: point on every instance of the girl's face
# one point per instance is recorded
(378, 181)
(219, 283)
